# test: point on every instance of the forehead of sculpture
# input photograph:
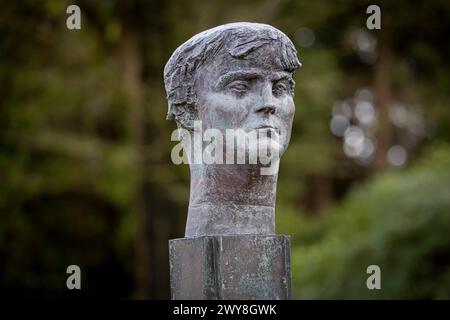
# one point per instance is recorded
(262, 62)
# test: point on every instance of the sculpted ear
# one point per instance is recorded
(184, 114)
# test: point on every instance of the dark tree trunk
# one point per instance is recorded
(132, 67)
(383, 99)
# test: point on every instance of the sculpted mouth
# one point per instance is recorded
(269, 128)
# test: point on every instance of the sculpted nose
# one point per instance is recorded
(267, 103)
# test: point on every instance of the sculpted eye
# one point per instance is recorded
(239, 86)
(279, 88)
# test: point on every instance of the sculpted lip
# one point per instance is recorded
(269, 128)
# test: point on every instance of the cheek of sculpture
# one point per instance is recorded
(287, 118)
(223, 111)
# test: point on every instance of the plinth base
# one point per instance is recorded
(231, 267)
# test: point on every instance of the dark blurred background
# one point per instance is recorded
(85, 170)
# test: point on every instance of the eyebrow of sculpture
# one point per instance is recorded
(251, 74)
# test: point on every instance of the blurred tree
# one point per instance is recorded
(382, 224)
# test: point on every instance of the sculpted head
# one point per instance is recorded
(235, 76)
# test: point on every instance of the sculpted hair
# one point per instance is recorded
(239, 39)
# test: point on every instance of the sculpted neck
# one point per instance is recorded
(231, 199)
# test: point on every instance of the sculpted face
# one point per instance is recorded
(250, 94)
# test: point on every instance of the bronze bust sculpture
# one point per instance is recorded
(235, 76)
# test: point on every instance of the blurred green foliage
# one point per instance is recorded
(400, 222)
